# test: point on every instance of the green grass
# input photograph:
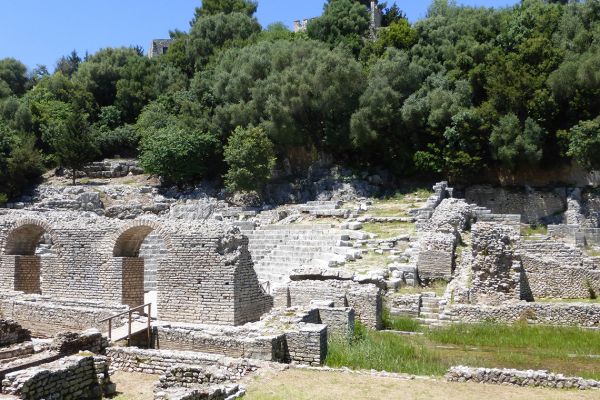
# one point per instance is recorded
(404, 324)
(531, 230)
(383, 352)
(389, 229)
(564, 350)
(437, 286)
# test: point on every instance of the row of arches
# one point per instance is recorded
(32, 247)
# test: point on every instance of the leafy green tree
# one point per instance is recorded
(14, 75)
(399, 35)
(178, 155)
(68, 65)
(514, 145)
(250, 156)
(73, 144)
(343, 22)
(215, 32)
(213, 7)
(584, 144)
(301, 93)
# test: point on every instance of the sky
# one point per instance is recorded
(41, 31)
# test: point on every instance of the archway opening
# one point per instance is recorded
(24, 249)
(141, 250)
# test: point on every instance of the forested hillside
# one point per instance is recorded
(464, 89)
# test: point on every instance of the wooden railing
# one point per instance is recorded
(265, 286)
(129, 313)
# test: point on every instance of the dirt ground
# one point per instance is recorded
(317, 385)
(134, 386)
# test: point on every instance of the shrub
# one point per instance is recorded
(251, 157)
(178, 155)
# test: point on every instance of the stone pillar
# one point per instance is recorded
(133, 281)
(7, 273)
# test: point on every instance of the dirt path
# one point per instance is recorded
(296, 384)
(134, 386)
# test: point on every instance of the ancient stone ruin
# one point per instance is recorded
(184, 285)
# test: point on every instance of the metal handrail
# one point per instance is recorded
(129, 322)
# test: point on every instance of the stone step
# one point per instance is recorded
(429, 309)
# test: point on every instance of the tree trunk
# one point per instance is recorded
(74, 176)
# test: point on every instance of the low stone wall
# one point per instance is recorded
(75, 377)
(519, 378)
(71, 343)
(580, 314)
(544, 278)
(230, 342)
(407, 305)
(158, 362)
(210, 392)
(12, 333)
(17, 350)
(49, 318)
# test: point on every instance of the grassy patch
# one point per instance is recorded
(531, 230)
(389, 229)
(382, 351)
(437, 286)
(404, 324)
(566, 350)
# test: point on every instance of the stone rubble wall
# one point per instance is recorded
(108, 169)
(407, 305)
(545, 278)
(515, 377)
(11, 332)
(73, 342)
(563, 253)
(75, 377)
(577, 314)
(495, 264)
(366, 300)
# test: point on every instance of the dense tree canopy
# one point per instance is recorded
(464, 89)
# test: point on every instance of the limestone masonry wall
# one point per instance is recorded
(544, 278)
(515, 377)
(581, 314)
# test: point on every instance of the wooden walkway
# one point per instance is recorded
(122, 332)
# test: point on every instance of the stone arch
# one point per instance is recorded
(25, 235)
(126, 245)
(20, 260)
(127, 241)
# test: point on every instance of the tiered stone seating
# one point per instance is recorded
(278, 249)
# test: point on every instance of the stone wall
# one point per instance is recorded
(495, 263)
(339, 321)
(307, 345)
(45, 318)
(207, 276)
(366, 300)
(232, 343)
(12, 333)
(133, 281)
(515, 377)
(108, 169)
(550, 249)
(581, 314)
(72, 342)
(27, 274)
(407, 305)
(546, 278)
(158, 362)
(534, 204)
(75, 377)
